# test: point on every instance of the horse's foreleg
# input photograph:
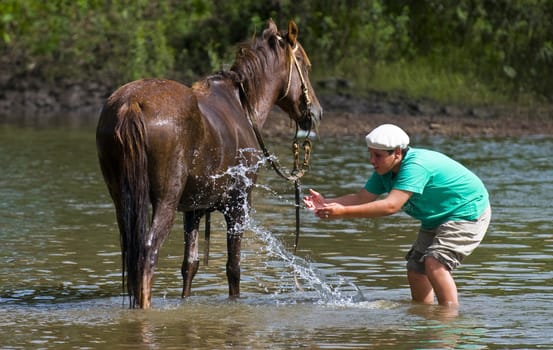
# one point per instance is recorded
(235, 214)
(191, 260)
(234, 218)
(234, 247)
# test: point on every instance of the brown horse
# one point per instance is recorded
(168, 146)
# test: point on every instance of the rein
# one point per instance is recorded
(298, 170)
(295, 175)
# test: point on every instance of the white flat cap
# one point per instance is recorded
(387, 137)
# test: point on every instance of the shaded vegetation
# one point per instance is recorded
(477, 51)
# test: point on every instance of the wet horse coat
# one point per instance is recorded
(163, 147)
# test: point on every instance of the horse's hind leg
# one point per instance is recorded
(162, 221)
(191, 260)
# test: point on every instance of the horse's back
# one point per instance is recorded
(190, 134)
(166, 108)
(147, 117)
(155, 97)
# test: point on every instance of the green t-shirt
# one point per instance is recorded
(443, 189)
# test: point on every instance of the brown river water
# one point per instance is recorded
(60, 270)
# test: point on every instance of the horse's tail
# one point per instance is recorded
(130, 132)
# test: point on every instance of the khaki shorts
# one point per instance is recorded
(448, 243)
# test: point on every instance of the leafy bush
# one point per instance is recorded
(491, 47)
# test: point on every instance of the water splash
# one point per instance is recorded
(310, 282)
(308, 279)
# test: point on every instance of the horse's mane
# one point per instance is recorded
(253, 58)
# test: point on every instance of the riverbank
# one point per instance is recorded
(34, 102)
(348, 115)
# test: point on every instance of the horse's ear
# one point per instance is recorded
(292, 32)
(271, 30)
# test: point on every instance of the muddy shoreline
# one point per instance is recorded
(345, 115)
(32, 102)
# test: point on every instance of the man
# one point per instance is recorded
(450, 201)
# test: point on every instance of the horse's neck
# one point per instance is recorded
(265, 102)
(260, 115)
(257, 107)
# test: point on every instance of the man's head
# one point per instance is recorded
(387, 137)
(387, 145)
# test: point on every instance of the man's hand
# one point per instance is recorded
(320, 207)
(314, 201)
(330, 211)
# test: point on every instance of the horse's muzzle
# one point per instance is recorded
(311, 119)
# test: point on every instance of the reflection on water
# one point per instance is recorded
(60, 272)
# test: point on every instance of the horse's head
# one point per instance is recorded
(297, 97)
(273, 69)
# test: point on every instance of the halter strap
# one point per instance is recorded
(294, 61)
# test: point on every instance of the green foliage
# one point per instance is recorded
(447, 49)
(503, 44)
(422, 79)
